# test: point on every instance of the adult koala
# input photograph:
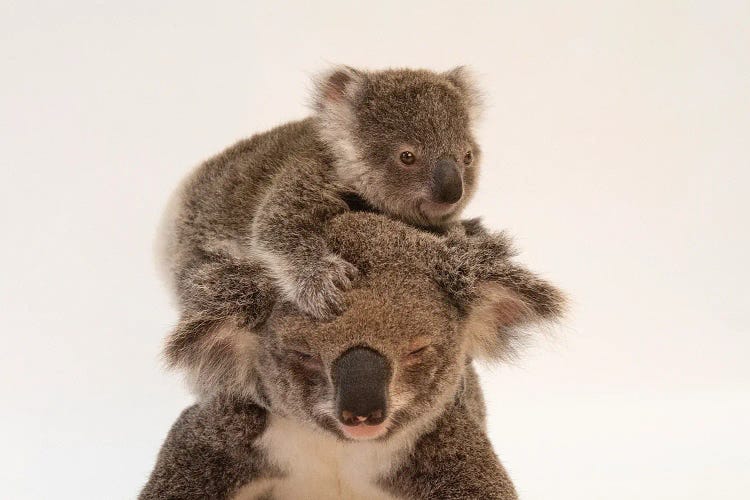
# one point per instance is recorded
(379, 402)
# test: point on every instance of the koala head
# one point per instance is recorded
(424, 307)
(402, 138)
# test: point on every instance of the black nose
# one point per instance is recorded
(360, 377)
(447, 184)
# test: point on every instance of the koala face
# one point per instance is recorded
(403, 139)
(369, 373)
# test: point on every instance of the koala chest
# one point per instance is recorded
(316, 465)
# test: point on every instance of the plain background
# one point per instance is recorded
(617, 151)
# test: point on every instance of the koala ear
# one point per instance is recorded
(501, 299)
(335, 87)
(462, 78)
(505, 308)
(216, 354)
(333, 102)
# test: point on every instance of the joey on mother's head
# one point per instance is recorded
(403, 139)
(399, 140)
(424, 307)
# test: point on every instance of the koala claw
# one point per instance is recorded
(319, 290)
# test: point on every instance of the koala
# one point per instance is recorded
(399, 142)
(381, 401)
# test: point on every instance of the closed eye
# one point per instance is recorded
(418, 346)
(417, 352)
(306, 359)
(300, 355)
(416, 356)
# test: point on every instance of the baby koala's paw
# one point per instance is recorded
(468, 228)
(320, 287)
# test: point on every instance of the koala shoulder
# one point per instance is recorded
(211, 440)
(222, 422)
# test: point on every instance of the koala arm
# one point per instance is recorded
(287, 237)
(208, 452)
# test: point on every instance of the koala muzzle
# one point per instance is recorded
(447, 182)
(360, 377)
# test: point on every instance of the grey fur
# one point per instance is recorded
(266, 199)
(460, 292)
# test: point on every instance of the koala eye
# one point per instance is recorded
(468, 158)
(408, 158)
(417, 352)
(416, 356)
(308, 360)
(303, 356)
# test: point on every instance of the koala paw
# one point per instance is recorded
(319, 290)
(480, 243)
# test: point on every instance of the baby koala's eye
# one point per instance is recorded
(468, 158)
(408, 158)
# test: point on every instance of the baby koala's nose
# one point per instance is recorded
(361, 376)
(447, 182)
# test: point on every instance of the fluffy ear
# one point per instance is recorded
(507, 304)
(216, 354)
(333, 100)
(462, 79)
(501, 299)
(335, 87)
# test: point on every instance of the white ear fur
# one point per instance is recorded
(495, 322)
(464, 81)
(335, 87)
(334, 94)
(221, 358)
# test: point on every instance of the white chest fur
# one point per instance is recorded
(317, 465)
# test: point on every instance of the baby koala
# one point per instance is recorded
(397, 141)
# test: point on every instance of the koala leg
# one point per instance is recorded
(220, 287)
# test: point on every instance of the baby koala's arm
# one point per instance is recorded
(286, 236)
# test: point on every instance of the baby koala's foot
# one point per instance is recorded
(320, 288)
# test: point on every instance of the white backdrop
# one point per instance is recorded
(616, 150)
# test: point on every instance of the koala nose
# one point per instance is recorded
(447, 183)
(360, 378)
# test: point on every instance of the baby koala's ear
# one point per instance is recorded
(462, 78)
(335, 87)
